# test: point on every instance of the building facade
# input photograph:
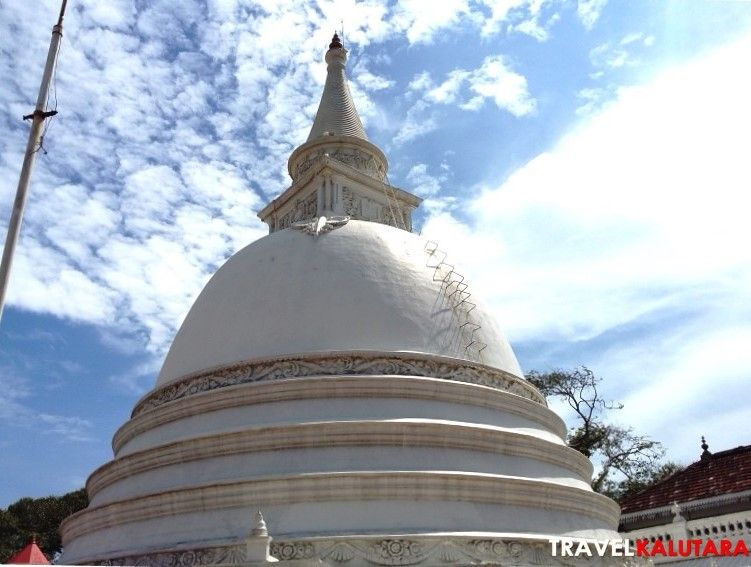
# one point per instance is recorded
(708, 500)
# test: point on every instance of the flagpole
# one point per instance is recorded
(38, 117)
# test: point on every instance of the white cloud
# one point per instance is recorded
(533, 28)
(448, 91)
(115, 14)
(16, 411)
(418, 122)
(589, 11)
(531, 17)
(619, 54)
(371, 82)
(420, 82)
(423, 183)
(494, 80)
(137, 379)
(591, 98)
(422, 19)
(469, 89)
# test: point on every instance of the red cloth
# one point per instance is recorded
(29, 555)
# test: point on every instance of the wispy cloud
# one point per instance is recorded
(420, 120)
(423, 183)
(623, 53)
(493, 81)
(16, 411)
(589, 11)
(534, 18)
(137, 379)
(421, 20)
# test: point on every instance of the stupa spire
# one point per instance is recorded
(336, 113)
(338, 174)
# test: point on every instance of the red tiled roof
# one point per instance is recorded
(719, 473)
(29, 555)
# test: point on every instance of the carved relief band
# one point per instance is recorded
(385, 552)
(353, 157)
(339, 365)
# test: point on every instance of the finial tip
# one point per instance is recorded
(336, 43)
(260, 526)
(705, 448)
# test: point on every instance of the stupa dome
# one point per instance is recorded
(364, 287)
(340, 375)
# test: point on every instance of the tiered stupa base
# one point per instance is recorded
(355, 459)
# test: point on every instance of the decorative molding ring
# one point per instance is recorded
(340, 364)
(540, 495)
(324, 387)
(330, 434)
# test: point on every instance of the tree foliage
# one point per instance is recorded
(40, 517)
(626, 461)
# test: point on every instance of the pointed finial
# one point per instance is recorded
(676, 509)
(705, 448)
(260, 527)
(336, 43)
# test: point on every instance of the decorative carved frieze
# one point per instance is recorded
(387, 552)
(387, 212)
(287, 550)
(338, 365)
(353, 157)
(395, 216)
(305, 208)
(309, 161)
(231, 555)
(359, 160)
(352, 203)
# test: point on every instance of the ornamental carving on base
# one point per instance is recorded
(288, 550)
(396, 552)
(233, 555)
(339, 365)
(387, 552)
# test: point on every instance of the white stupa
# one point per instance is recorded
(339, 376)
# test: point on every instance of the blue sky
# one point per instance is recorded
(585, 163)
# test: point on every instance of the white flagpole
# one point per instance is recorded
(37, 121)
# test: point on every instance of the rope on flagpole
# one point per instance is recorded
(34, 144)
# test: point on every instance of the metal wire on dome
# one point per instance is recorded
(459, 298)
(394, 203)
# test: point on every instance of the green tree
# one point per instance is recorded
(11, 538)
(40, 517)
(628, 462)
